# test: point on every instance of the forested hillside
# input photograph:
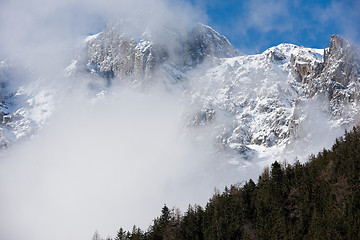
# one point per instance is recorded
(316, 200)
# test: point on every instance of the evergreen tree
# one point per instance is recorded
(319, 199)
(122, 235)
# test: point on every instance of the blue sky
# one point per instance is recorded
(252, 25)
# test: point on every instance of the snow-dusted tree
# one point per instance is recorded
(96, 236)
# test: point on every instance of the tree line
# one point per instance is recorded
(319, 199)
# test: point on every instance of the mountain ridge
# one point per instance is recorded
(254, 105)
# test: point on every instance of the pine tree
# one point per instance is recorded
(122, 235)
(96, 236)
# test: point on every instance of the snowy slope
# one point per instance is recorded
(25, 103)
(257, 93)
(271, 105)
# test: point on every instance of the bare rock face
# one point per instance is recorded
(203, 41)
(304, 69)
(339, 78)
(115, 54)
(342, 61)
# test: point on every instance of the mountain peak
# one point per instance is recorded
(340, 47)
(216, 44)
(337, 42)
(342, 60)
(139, 54)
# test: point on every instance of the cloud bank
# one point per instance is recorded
(105, 163)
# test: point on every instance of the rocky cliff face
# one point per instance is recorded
(337, 76)
(342, 61)
(341, 71)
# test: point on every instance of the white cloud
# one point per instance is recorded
(344, 16)
(265, 15)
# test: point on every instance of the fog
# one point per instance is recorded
(104, 163)
(318, 130)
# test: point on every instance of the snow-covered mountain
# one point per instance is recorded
(25, 103)
(143, 58)
(271, 98)
(252, 106)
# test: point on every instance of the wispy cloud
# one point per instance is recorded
(29, 27)
(344, 15)
(267, 16)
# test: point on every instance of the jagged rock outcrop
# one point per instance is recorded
(305, 69)
(342, 61)
(338, 76)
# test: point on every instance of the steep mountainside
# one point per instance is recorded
(337, 76)
(270, 98)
